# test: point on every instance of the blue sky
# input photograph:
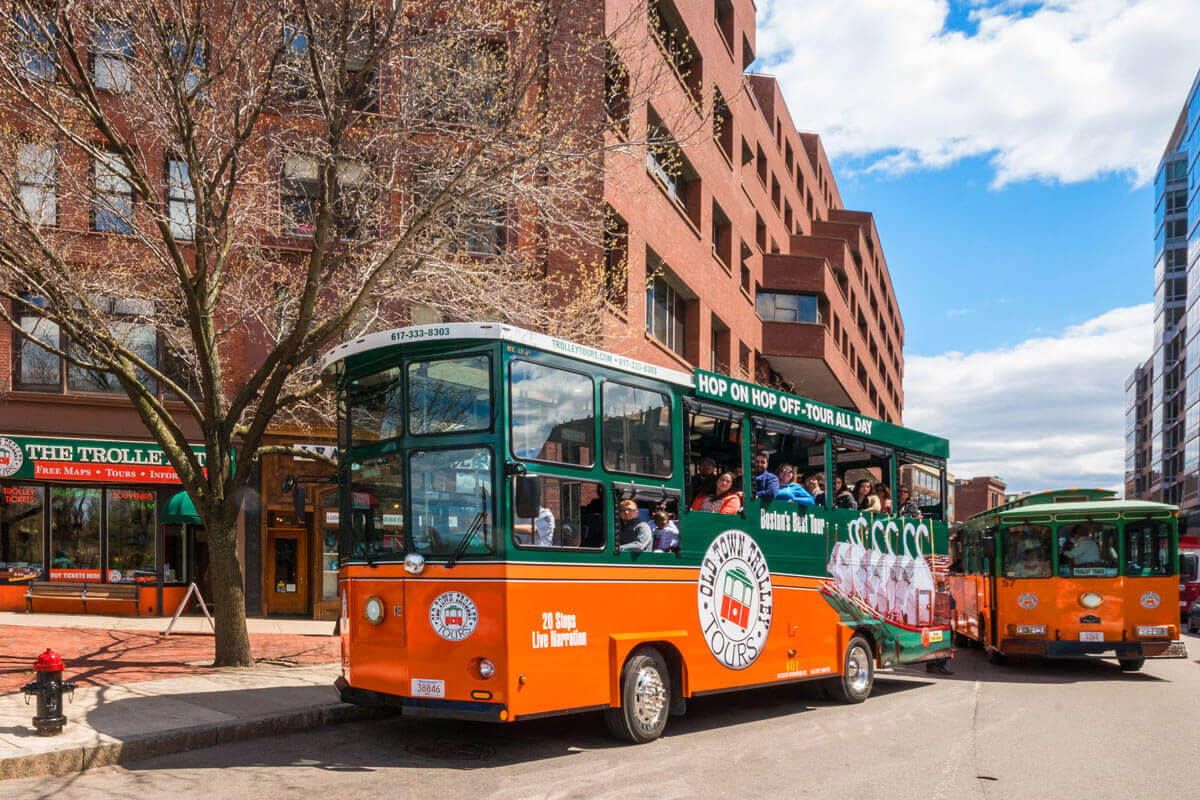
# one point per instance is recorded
(976, 267)
(1006, 150)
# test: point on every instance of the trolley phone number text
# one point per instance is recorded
(419, 333)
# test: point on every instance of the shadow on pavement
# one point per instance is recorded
(398, 743)
(970, 664)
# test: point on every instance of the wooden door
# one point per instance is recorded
(287, 571)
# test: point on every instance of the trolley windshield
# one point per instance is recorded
(413, 485)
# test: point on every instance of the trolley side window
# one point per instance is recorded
(863, 468)
(1027, 551)
(1088, 550)
(714, 447)
(1148, 548)
(376, 408)
(636, 430)
(376, 508)
(795, 455)
(553, 414)
(560, 513)
(450, 395)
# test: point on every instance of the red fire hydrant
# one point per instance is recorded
(49, 688)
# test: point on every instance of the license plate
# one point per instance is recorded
(1091, 636)
(426, 687)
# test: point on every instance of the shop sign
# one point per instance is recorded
(75, 575)
(44, 458)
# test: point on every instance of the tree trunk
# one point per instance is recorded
(229, 597)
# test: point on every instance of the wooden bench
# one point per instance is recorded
(83, 592)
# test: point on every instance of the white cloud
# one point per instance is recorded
(1069, 91)
(1046, 413)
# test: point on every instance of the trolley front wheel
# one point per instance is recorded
(858, 673)
(997, 658)
(1131, 664)
(645, 698)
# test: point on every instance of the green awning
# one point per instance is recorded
(180, 508)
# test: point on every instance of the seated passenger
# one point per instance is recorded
(907, 506)
(763, 484)
(1082, 548)
(705, 479)
(885, 498)
(790, 491)
(632, 534)
(1032, 566)
(864, 498)
(812, 482)
(724, 501)
(666, 535)
(843, 497)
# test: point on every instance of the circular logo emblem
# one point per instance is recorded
(114, 576)
(1151, 600)
(11, 457)
(453, 616)
(1027, 601)
(734, 599)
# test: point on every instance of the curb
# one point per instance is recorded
(179, 740)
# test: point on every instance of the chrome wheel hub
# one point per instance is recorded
(649, 697)
(858, 670)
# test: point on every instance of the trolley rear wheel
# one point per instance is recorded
(858, 673)
(997, 658)
(645, 698)
(1131, 664)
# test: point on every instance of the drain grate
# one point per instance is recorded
(451, 751)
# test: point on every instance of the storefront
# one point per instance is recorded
(91, 510)
(299, 550)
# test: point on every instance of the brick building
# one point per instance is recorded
(746, 261)
(737, 256)
(975, 495)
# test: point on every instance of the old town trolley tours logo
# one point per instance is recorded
(11, 457)
(453, 616)
(734, 599)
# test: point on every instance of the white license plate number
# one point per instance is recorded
(427, 687)
(1091, 636)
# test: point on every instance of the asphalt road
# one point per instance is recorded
(1027, 730)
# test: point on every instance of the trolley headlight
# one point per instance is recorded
(1091, 599)
(414, 563)
(373, 610)
(1149, 631)
(481, 668)
(1031, 630)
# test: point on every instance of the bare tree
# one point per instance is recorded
(267, 177)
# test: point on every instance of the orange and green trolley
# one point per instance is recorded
(481, 569)
(1069, 573)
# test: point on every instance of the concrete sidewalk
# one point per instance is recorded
(115, 724)
(186, 624)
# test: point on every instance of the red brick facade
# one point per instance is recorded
(977, 495)
(762, 215)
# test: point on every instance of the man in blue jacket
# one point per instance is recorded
(764, 485)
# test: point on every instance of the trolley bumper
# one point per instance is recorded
(420, 707)
(1071, 649)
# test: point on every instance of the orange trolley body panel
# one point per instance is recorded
(558, 636)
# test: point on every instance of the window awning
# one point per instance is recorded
(181, 509)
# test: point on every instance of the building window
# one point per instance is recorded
(722, 237)
(484, 229)
(616, 91)
(37, 45)
(1176, 201)
(616, 259)
(131, 527)
(299, 193)
(36, 367)
(780, 307)
(181, 200)
(724, 14)
(354, 200)
(298, 81)
(189, 54)
(36, 177)
(74, 528)
(112, 51)
(722, 124)
(22, 509)
(113, 204)
(666, 162)
(677, 45)
(666, 312)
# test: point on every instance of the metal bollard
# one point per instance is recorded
(48, 687)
